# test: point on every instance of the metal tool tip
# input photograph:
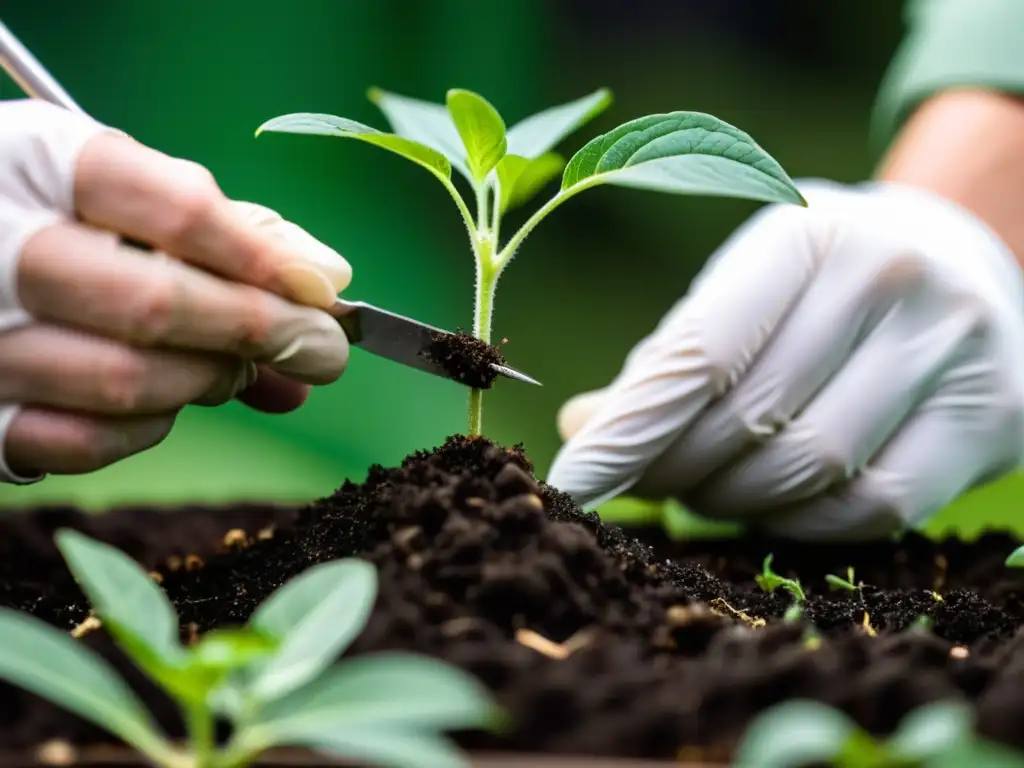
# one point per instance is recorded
(512, 373)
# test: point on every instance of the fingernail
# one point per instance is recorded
(305, 285)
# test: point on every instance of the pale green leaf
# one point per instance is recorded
(794, 733)
(1016, 558)
(931, 730)
(481, 129)
(682, 152)
(330, 125)
(130, 604)
(383, 691)
(539, 133)
(390, 749)
(521, 178)
(424, 122)
(315, 616)
(48, 663)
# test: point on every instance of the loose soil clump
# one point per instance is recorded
(465, 358)
(594, 642)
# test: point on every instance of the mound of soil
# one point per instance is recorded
(465, 358)
(594, 642)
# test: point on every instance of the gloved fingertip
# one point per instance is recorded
(577, 411)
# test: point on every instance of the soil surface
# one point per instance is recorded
(595, 642)
(465, 358)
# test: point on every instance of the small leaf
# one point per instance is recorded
(315, 616)
(224, 650)
(390, 749)
(424, 122)
(1016, 558)
(682, 152)
(931, 730)
(330, 125)
(535, 135)
(48, 663)
(796, 732)
(123, 595)
(481, 129)
(838, 583)
(384, 691)
(522, 178)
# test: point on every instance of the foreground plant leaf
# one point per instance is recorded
(48, 663)
(931, 730)
(314, 617)
(331, 125)
(481, 130)
(1016, 558)
(125, 598)
(390, 749)
(794, 733)
(424, 122)
(681, 152)
(539, 133)
(521, 178)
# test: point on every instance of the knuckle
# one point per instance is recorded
(195, 201)
(151, 311)
(250, 332)
(832, 463)
(122, 382)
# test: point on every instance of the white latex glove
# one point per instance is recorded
(101, 343)
(839, 371)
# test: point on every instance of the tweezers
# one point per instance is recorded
(389, 335)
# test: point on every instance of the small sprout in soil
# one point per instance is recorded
(837, 582)
(803, 732)
(1016, 558)
(936, 596)
(505, 167)
(794, 613)
(922, 624)
(769, 581)
(866, 624)
(274, 679)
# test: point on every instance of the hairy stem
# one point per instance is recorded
(483, 305)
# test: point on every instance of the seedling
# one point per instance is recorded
(678, 152)
(1016, 558)
(922, 624)
(801, 732)
(769, 581)
(274, 679)
(837, 582)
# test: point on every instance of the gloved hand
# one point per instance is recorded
(839, 371)
(102, 343)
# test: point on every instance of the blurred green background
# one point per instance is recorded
(194, 78)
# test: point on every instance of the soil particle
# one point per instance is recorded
(465, 358)
(593, 641)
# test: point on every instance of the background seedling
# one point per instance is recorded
(769, 581)
(273, 679)
(678, 152)
(1016, 558)
(837, 582)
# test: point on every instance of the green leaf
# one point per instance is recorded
(390, 749)
(330, 125)
(931, 730)
(315, 616)
(48, 663)
(224, 650)
(481, 129)
(838, 583)
(1016, 558)
(424, 122)
(384, 691)
(535, 135)
(793, 733)
(681, 152)
(522, 178)
(130, 604)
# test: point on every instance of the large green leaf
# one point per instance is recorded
(522, 178)
(481, 129)
(424, 122)
(383, 691)
(793, 733)
(314, 617)
(47, 662)
(389, 749)
(331, 125)
(539, 133)
(130, 604)
(681, 152)
(931, 730)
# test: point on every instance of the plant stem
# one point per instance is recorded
(199, 722)
(483, 305)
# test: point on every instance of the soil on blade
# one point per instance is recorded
(594, 642)
(465, 358)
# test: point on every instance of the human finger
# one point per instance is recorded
(177, 207)
(40, 441)
(274, 393)
(72, 274)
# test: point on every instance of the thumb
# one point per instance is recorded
(577, 410)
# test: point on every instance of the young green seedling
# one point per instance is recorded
(274, 679)
(1016, 558)
(837, 582)
(678, 152)
(769, 581)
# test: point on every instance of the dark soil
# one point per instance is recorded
(594, 642)
(465, 358)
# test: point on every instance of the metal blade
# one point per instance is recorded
(399, 338)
